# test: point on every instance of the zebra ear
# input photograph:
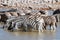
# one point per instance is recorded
(42, 12)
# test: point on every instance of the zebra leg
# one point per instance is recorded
(25, 27)
(54, 27)
(56, 18)
(40, 28)
(35, 26)
(51, 27)
(44, 28)
(16, 26)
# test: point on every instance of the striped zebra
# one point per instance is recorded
(26, 21)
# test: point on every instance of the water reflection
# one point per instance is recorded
(46, 35)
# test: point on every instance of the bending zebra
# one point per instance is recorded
(43, 21)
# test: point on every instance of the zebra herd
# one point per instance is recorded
(30, 22)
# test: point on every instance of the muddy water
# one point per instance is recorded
(46, 35)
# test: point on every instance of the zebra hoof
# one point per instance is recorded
(40, 30)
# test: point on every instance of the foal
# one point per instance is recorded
(50, 20)
(43, 21)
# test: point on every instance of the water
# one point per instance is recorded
(46, 35)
